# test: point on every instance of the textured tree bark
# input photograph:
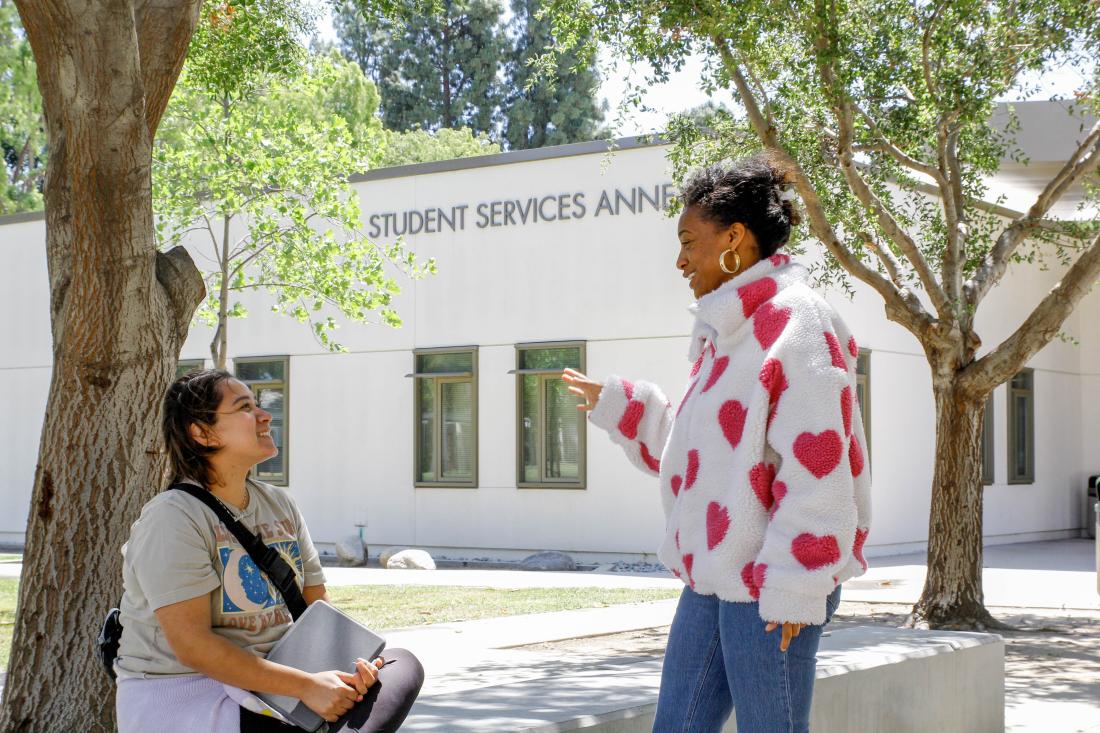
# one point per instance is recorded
(952, 596)
(119, 314)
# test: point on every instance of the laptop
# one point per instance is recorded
(322, 638)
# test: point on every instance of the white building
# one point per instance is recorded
(548, 258)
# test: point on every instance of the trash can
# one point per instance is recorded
(1090, 506)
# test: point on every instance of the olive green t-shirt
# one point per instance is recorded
(179, 549)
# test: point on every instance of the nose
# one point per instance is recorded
(264, 415)
(681, 260)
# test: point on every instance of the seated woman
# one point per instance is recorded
(198, 615)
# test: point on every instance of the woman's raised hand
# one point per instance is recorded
(582, 386)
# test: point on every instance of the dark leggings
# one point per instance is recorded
(382, 710)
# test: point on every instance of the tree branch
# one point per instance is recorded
(885, 145)
(955, 211)
(1039, 328)
(842, 109)
(996, 262)
(164, 29)
(901, 307)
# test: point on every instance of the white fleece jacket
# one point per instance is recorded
(763, 473)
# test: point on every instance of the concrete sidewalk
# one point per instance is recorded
(1058, 574)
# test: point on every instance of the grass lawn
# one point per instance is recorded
(10, 558)
(397, 606)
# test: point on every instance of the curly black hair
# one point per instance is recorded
(192, 399)
(745, 191)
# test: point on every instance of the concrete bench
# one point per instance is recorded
(868, 679)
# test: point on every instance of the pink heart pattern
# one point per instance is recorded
(755, 293)
(686, 395)
(853, 348)
(698, 364)
(835, 353)
(779, 490)
(718, 524)
(647, 458)
(819, 453)
(779, 259)
(628, 389)
(846, 409)
(761, 477)
(692, 469)
(768, 323)
(855, 457)
(857, 546)
(632, 417)
(716, 370)
(689, 561)
(731, 416)
(815, 552)
(775, 383)
(750, 583)
(676, 482)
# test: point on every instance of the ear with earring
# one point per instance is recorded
(736, 262)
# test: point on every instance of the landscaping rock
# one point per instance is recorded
(411, 560)
(548, 561)
(350, 550)
(384, 558)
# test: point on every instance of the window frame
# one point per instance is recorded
(864, 380)
(254, 385)
(544, 375)
(1027, 476)
(191, 364)
(988, 438)
(439, 378)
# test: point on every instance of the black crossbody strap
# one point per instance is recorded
(266, 558)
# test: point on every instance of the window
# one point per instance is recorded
(186, 366)
(551, 430)
(267, 377)
(1021, 428)
(446, 417)
(863, 393)
(987, 443)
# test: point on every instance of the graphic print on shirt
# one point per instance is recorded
(248, 598)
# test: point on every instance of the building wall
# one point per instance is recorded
(607, 280)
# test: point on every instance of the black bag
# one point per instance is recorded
(267, 559)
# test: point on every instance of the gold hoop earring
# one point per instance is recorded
(736, 262)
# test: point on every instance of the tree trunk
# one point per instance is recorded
(952, 596)
(119, 315)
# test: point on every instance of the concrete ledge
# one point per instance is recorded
(868, 679)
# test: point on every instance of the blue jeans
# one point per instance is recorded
(719, 659)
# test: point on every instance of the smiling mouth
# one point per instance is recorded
(265, 434)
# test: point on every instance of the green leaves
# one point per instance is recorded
(22, 126)
(257, 174)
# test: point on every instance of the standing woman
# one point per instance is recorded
(198, 615)
(763, 475)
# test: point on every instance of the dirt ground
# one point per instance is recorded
(1052, 660)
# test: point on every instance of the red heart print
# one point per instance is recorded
(716, 370)
(686, 395)
(846, 409)
(775, 383)
(857, 547)
(632, 416)
(815, 552)
(747, 579)
(779, 260)
(755, 293)
(819, 453)
(692, 469)
(698, 364)
(855, 457)
(647, 458)
(834, 351)
(689, 560)
(677, 540)
(731, 416)
(779, 490)
(761, 477)
(853, 349)
(677, 482)
(759, 575)
(768, 323)
(628, 389)
(718, 523)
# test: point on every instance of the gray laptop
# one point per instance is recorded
(322, 638)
